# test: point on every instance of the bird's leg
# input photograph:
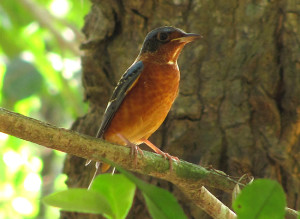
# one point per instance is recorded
(134, 148)
(158, 151)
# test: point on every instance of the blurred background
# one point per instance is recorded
(39, 77)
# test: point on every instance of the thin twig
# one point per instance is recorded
(213, 206)
(291, 213)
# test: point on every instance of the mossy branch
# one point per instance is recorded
(188, 177)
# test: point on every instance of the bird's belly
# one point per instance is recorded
(143, 110)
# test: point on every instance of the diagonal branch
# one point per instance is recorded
(188, 177)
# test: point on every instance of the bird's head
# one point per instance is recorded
(164, 44)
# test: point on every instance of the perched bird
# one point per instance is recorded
(146, 91)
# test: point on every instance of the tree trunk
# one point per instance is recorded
(238, 107)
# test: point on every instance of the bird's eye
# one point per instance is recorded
(163, 37)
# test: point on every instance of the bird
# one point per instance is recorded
(145, 93)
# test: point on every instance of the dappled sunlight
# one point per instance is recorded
(27, 56)
(32, 182)
(68, 66)
(60, 7)
(3, 136)
(22, 206)
(7, 192)
(68, 34)
(13, 160)
(39, 77)
(56, 61)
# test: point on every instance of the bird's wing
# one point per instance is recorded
(127, 81)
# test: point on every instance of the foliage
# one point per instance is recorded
(115, 196)
(261, 199)
(110, 195)
(80, 200)
(161, 204)
(39, 77)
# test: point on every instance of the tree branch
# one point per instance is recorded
(214, 207)
(188, 177)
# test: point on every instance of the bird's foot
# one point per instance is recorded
(135, 149)
(170, 158)
(165, 155)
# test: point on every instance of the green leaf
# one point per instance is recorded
(79, 200)
(261, 199)
(161, 203)
(118, 190)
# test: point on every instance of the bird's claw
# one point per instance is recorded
(166, 155)
(170, 158)
(135, 150)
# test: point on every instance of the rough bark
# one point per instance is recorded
(238, 108)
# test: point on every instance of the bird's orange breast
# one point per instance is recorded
(146, 105)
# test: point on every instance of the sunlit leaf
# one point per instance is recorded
(160, 202)
(79, 200)
(118, 190)
(261, 199)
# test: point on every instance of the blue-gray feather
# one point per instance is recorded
(128, 78)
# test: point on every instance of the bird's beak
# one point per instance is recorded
(187, 37)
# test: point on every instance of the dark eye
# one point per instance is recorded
(162, 36)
